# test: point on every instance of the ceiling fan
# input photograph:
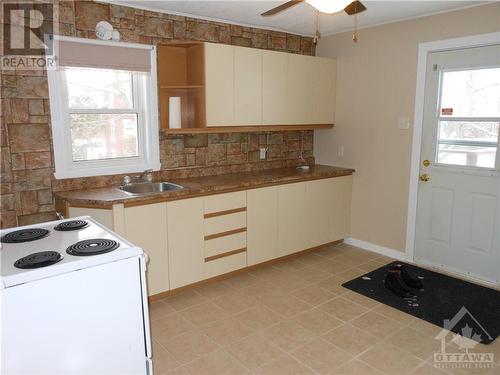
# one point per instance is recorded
(323, 6)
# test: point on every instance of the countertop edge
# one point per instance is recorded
(70, 198)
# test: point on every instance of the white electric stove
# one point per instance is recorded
(74, 301)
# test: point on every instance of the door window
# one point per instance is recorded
(469, 118)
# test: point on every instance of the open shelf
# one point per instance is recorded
(181, 74)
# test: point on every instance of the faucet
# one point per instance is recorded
(147, 174)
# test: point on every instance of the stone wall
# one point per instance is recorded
(27, 166)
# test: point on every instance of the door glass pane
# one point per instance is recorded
(104, 136)
(471, 93)
(469, 131)
(99, 89)
(473, 156)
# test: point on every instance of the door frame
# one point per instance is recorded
(424, 49)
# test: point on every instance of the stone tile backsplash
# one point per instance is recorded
(27, 182)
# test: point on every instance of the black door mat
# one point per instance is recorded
(472, 310)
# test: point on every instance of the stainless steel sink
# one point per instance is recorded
(150, 187)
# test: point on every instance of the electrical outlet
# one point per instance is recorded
(263, 152)
(340, 151)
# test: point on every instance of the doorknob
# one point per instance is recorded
(424, 177)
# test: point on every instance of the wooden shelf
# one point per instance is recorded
(181, 87)
(247, 129)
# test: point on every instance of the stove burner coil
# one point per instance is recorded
(71, 225)
(38, 260)
(92, 246)
(24, 235)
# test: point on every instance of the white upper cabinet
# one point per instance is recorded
(219, 84)
(274, 88)
(252, 87)
(247, 86)
(300, 89)
(324, 81)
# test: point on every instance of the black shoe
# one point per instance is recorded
(408, 277)
(394, 282)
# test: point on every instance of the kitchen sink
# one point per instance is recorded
(150, 187)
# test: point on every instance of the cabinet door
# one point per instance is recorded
(291, 212)
(101, 215)
(185, 241)
(262, 224)
(300, 89)
(324, 80)
(340, 226)
(146, 227)
(219, 82)
(319, 202)
(274, 88)
(247, 86)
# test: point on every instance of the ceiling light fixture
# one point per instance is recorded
(329, 6)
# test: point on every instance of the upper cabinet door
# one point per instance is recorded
(324, 81)
(300, 89)
(274, 88)
(247, 86)
(219, 81)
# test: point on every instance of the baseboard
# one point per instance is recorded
(398, 255)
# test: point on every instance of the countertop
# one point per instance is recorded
(200, 186)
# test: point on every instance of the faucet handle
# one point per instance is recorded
(127, 180)
(149, 177)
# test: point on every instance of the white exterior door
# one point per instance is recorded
(458, 211)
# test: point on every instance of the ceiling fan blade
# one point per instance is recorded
(282, 7)
(354, 7)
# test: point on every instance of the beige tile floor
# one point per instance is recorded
(294, 318)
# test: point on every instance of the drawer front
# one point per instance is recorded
(221, 245)
(226, 264)
(225, 202)
(225, 223)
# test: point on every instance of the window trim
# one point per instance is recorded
(148, 131)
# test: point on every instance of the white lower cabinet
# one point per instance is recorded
(262, 224)
(185, 241)
(291, 220)
(318, 212)
(146, 227)
(341, 196)
(193, 239)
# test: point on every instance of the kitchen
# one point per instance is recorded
(209, 146)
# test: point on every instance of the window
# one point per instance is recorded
(469, 118)
(104, 120)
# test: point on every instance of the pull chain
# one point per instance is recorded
(355, 31)
(317, 35)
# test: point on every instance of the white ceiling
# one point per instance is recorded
(299, 19)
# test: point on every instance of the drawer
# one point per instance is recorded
(226, 264)
(225, 244)
(225, 223)
(225, 202)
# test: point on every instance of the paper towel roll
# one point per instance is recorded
(174, 115)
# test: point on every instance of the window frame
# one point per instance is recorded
(440, 118)
(145, 103)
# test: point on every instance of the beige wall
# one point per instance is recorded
(375, 86)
